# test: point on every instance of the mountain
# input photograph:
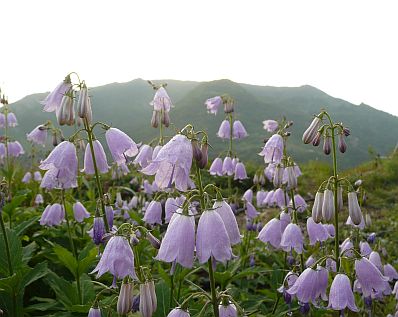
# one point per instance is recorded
(126, 106)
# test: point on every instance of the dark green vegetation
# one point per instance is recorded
(127, 106)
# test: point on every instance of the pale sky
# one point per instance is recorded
(349, 49)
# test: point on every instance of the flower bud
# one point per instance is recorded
(317, 207)
(205, 157)
(317, 139)
(66, 112)
(278, 176)
(83, 102)
(54, 139)
(291, 177)
(136, 303)
(339, 198)
(229, 106)
(342, 144)
(148, 301)
(94, 312)
(125, 300)
(165, 118)
(346, 131)
(327, 145)
(196, 152)
(155, 119)
(368, 220)
(153, 240)
(328, 205)
(353, 208)
(311, 131)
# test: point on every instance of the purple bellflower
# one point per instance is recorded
(216, 167)
(369, 277)
(341, 295)
(100, 158)
(120, 145)
(38, 135)
(316, 231)
(292, 238)
(229, 220)
(144, 157)
(224, 132)
(273, 149)
(153, 213)
(270, 125)
(238, 130)
(53, 100)
(212, 104)
(271, 233)
(53, 215)
(178, 312)
(228, 310)
(80, 212)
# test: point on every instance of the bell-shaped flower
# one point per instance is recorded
(369, 277)
(229, 220)
(161, 101)
(351, 223)
(328, 205)
(144, 157)
(269, 199)
(227, 166)
(216, 167)
(212, 238)
(39, 199)
(125, 299)
(280, 198)
(269, 171)
(317, 207)
(316, 231)
(260, 196)
(250, 211)
(228, 310)
(374, 257)
(390, 272)
(117, 259)
(285, 220)
(290, 177)
(98, 230)
(53, 215)
(172, 164)
(120, 145)
(240, 171)
(53, 100)
(271, 233)
(80, 212)
(178, 243)
(299, 202)
(346, 248)
(273, 149)
(238, 130)
(341, 295)
(224, 132)
(248, 195)
(94, 312)
(37, 176)
(15, 149)
(212, 104)
(38, 135)
(353, 208)
(153, 213)
(27, 178)
(270, 125)
(178, 312)
(292, 238)
(100, 159)
(365, 248)
(170, 207)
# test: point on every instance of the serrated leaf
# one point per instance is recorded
(67, 259)
(15, 202)
(20, 228)
(15, 252)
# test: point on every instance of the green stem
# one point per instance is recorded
(3, 229)
(230, 154)
(160, 128)
(72, 245)
(97, 176)
(295, 220)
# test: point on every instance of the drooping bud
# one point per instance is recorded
(339, 198)
(66, 113)
(125, 300)
(317, 139)
(328, 205)
(165, 118)
(317, 207)
(153, 240)
(94, 312)
(83, 103)
(353, 208)
(98, 230)
(197, 153)
(291, 177)
(229, 105)
(148, 302)
(205, 157)
(155, 119)
(346, 131)
(278, 176)
(311, 131)
(54, 139)
(342, 144)
(327, 145)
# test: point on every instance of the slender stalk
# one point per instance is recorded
(295, 220)
(209, 262)
(72, 245)
(3, 229)
(97, 176)
(230, 152)
(161, 128)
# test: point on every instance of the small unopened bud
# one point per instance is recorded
(54, 139)
(327, 145)
(196, 152)
(155, 119)
(278, 176)
(229, 106)
(136, 303)
(339, 198)
(353, 208)
(346, 131)
(205, 156)
(291, 177)
(125, 300)
(148, 302)
(255, 179)
(342, 144)
(94, 312)
(317, 139)
(317, 207)
(66, 112)
(368, 220)
(153, 240)
(165, 118)
(83, 103)
(311, 131)
(134, 240)
(328, 205)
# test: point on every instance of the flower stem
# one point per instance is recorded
(161, 128)
(209, 262)
(295, 220)
(3, 229)
(230, 151)
(97, 177)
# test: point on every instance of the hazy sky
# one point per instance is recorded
(349, 49)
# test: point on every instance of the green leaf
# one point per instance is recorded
(66, 258)
(27, 252)
(65, 291)
(15, 252)
(86, 259)
(163, 297)
(15, 202)
(23, 226)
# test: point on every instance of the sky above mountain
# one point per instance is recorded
(345, 48)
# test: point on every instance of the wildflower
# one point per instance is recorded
(178, 243)
(273, 149)
(212, 238)
(80, 212)
(299, 202)
(100, 159)
(238, 130)
(346, 248)
(353, 208)
(365, 248)
(260, 196)
(37, 176)
(117, 259)
(229, 220)
(161, 101)
(39, 199)
(178, 312)
(148, 300)
(270, 125)
(155, 119)
(279, 198)
(224, 132)
(120, 145)
(227, 166)
(240, 171)
(278, 176)
(317, 207)
(84, 104)
(248, 195)
(27, 178)
(125, 299)
(12, 120)
(170, 208)
(290, 177)
(66, 112)
(341, 295)
(361, 224)
(292, 238)
(205, 156)
(328, 205)
(311, 131)
(94, 312)
(38, 135)
(144, 157)
(327, 145)
(271, 233)
(342, 143)
(316, 231)
(374, 257)
(98, 230)
(390, 272)
(53, 215)
(15, 149)
(269, 199)
(153, 213)
(216, 167)
(172, 164)
(212, 104)
(251, 212)
(53, 100)
(369, 277)
(228, 310)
